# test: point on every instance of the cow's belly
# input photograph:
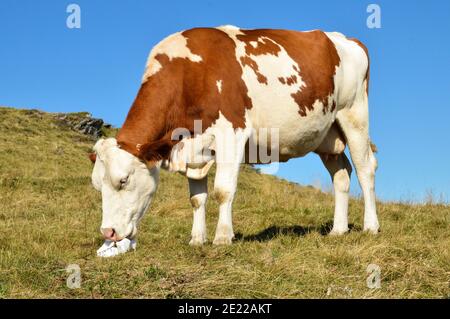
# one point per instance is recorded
(296, 135)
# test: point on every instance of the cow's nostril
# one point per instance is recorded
(108, 233)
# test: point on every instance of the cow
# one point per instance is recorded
(312, 87)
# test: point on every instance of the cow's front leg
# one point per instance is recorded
(224, 190)
(198, 194)
(229, 153)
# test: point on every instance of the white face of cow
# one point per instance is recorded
(127, 187)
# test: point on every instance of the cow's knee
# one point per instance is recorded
(224, 231)
(341, 179)
(198, 200)
(221, 195)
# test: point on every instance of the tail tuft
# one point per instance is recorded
(373, 147)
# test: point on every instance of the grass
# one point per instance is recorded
(50, 216)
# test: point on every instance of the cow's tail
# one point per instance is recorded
(373, 147)
(368, 61)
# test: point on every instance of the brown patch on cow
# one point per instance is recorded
(93, 157)
(304, 107)
(264, 45)
(247, 61)
(317, 71)
(368, 60)
(289, 80)
(155, 151)
(183, 91)
(333, 106)
(315, 54)
(151, 152)
(326, 107)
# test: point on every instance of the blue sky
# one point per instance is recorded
(45, 65)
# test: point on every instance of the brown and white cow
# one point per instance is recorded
(312, 87)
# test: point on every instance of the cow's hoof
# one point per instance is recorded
(338, 232)
(371, 227)
(224, 235)
(197, 240)
(223, 240)
(372, 230)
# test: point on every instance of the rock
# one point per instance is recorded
(90, 126)
(83, 123)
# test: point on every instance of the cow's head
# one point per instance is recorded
(128, 182)
(127, 185)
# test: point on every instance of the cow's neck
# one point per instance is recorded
(146, 120)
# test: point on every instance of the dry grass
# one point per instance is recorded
(50, 215)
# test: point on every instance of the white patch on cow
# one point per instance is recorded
(219, 85)
(254, 44)
(351, 71)
(333, 143)
(227, 27)
(174, 46)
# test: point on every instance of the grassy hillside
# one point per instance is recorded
(50, 216)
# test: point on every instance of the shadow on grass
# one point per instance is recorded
(296, 230)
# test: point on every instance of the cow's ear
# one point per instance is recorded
(93, 157)
(156, 151)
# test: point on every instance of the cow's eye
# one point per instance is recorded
(123, 181)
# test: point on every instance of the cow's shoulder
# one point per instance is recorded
(196, 71)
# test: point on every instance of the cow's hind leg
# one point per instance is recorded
(229, 152)
(354, 122)
(340, 170)
(198, 194)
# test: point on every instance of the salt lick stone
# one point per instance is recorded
(111, 248)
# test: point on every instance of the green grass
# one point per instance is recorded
(50, 216)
